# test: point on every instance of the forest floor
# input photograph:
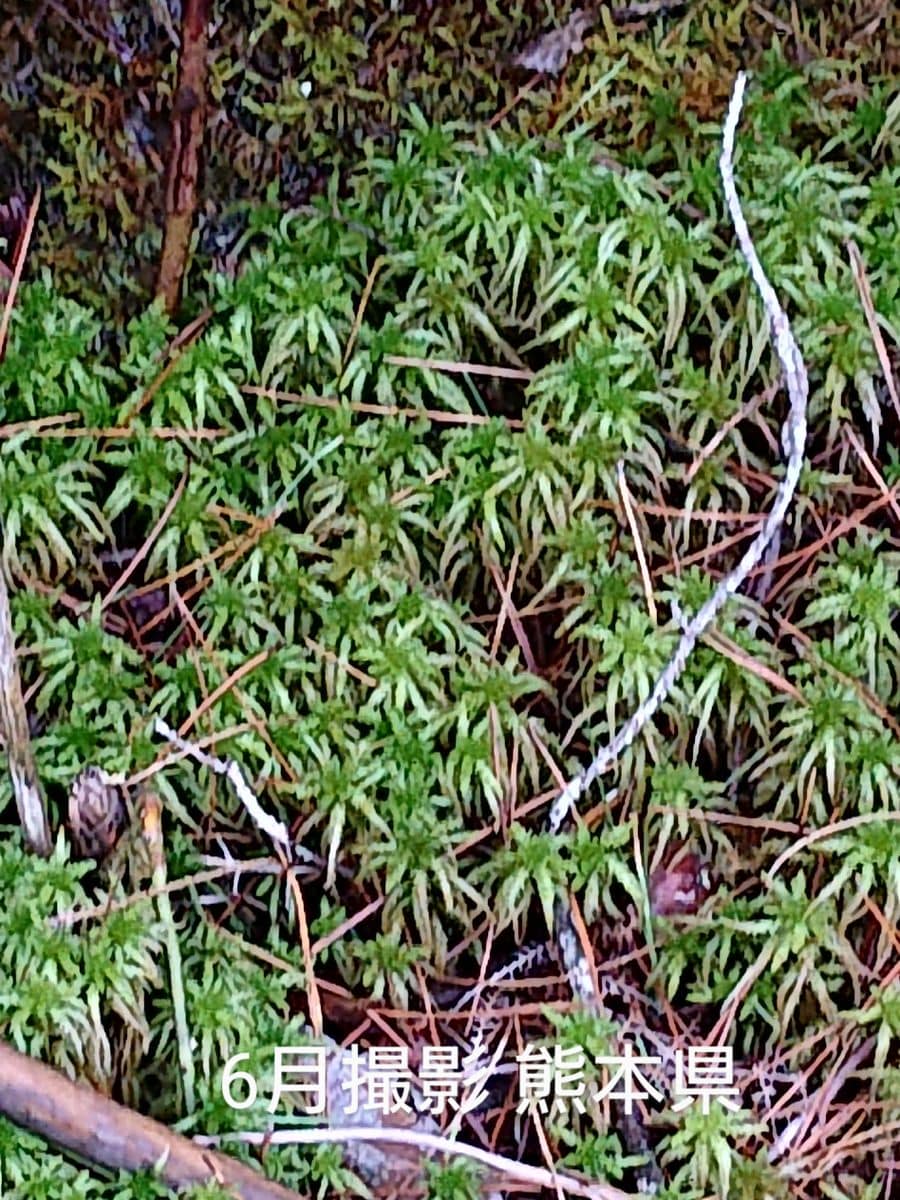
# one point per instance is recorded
(382, 388)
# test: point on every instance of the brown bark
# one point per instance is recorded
(78, 1119)
(188, 124)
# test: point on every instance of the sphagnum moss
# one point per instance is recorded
(391, 722)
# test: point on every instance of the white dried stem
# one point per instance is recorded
(793, 438)
(428, 1143)
(232, 772)
(526, 960)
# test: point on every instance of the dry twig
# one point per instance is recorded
(16, 740)
(434, 1144)
(865, 295)
(151, 820)
(18, 265)
(79, 1119)
(232, 772)
(188, 123)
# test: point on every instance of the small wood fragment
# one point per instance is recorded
(76, 1118)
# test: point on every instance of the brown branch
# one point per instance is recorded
(15, 277)
(188, 124)
(82, 1121)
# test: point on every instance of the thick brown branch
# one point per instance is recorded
(78, 1119)
(188, 124)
